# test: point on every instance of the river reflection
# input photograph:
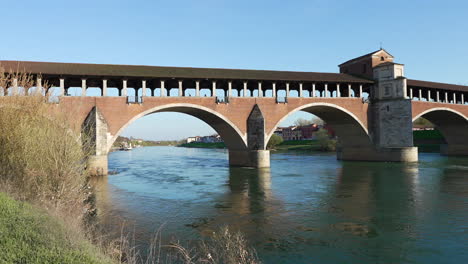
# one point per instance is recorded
(305, 209)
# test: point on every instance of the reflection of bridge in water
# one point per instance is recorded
(368, 104)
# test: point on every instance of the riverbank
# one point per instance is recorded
(214, 145)
(30, 235)
(428, 140)
(425, 140)
(303, 145)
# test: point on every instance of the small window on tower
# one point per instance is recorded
(382, 58)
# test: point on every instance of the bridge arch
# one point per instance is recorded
(351, 131)
(453, 125)
(229, 132)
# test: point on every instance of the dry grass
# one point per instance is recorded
(41, 160)
(222, 247)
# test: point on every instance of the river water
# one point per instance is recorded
(308, 208)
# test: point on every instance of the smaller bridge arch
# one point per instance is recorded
(233, 137)
(351, 131)
(453, 125)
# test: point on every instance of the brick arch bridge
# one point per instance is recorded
(370, 104)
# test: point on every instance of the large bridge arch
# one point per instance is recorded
(351, 131)
(452, 124)
(229, 132)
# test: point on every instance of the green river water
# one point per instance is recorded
(308, 208)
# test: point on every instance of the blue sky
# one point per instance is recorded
(429, 37)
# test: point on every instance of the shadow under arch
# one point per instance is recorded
(229, 132)
(453, 125)
(350, 130)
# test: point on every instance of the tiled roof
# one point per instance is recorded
(436, 85)
(363, 56)
(133, 71)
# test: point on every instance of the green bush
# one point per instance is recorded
(325, 142)
(427, 134)
(274, 141)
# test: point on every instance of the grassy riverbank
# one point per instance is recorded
(428, 140)
(30, 235)
(303, 145)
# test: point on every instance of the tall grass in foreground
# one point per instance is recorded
(222, 247)
(41, 158)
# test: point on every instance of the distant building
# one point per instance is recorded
(193, 139)
(306, 132)
(211, 139)
(292, 133)
(331, 131)
(279, 131)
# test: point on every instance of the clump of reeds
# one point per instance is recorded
(222, 247)
(41, 158)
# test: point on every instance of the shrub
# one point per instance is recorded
(324, 140)
(274, 141)
(41, 157)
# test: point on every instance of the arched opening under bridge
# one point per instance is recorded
(230, 134)
(350, 130)
(453, 126)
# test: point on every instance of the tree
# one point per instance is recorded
(305, 122)
(324, 140)
(318, 121)
(274, 141)
(302, 122)
(422, 122)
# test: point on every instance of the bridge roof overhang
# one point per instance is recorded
(157, 72)
(437, 85)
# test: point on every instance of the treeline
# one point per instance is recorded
(145, 143)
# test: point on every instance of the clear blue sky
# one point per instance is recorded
(429, 37)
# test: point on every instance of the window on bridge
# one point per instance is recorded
(93, 91)
(173, 91)
(220, 93)
(148, 92)
(281, 93)
(112, 91)
(293, 93)
(190, 92)
(35, 90)
(74, 91)
(248, 94)
(205, 92)
(234, 93)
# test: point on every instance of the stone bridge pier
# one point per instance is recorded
(255, 155)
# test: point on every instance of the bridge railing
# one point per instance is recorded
(222, 99)
(134, 99)
(281, 100)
